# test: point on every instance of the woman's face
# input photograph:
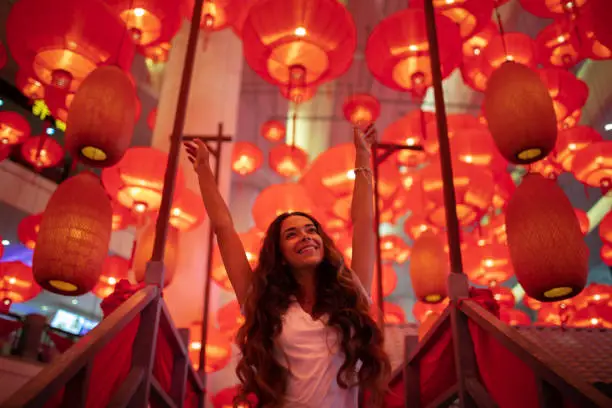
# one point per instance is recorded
(300, 242)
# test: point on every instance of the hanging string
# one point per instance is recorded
(125, 33)
(502, 32)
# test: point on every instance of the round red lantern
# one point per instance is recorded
(422, 310)
(218, 347)
(599, 11)
(547, 249)
(148, 21)
(17, 283)
(187, 211)
(361, 110)
(14, 129)
(242, 14)
(246, 158)
(101, 118)
(230, 318)
(394, 314)
(571, 141)
(551, 8)
(27, 230)
(288, 161)
(429, 268)
(475, 146)
(74, 236)
(504, 296)
(144, 251)
(225, 398)
(59, 47)
(520, 114)
(410, 130)
(558, 45)
(273, 130)
(389, 280)
(474, 70)
(278, 199)
(514, 317)
(569, 95)
(456, 123)
(593, 165)
(216, 14)
(470, 15)
(515, 47)
(416, 225)
(397, 51)
(114, 269)
(583, 220)
(294, 46)
(29, 85)
(137, 181)
(42, 152)
(394, 249)
(488, 265)
(122, 217)
(298, 93)
(157, 54)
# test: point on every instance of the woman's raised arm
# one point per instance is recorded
(231, 248)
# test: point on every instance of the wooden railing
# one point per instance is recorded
(72, 370)
(554, 381)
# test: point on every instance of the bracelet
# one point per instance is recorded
(366, 171)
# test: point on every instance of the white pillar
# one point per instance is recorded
(213, 98)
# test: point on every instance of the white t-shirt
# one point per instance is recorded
(311, 352)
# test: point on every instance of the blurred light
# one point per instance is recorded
(50, 131)
(6, 242)
(1, 102)
(75, 302)
(608, 127)
(44, 308)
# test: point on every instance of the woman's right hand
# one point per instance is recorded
(198, 154)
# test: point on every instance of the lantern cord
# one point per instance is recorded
(125, 34)
(294, 126)
(502, 32)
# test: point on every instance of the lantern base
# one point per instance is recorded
(435, 298)
(530, 155)
(63, 286)
(94, 154)
(559, 293)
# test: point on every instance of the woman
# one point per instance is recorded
(308, 339)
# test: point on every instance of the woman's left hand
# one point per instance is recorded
(364, 139)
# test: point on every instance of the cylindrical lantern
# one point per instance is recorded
(14, 129)
(361, 109)
(101, 117)
(288, 161)
(273, 130)
(520, 114)
(144, 251)
(547, 248)
(429, 268)
(246, 158)
(17, 283)
(74, 236)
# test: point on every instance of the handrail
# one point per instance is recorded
(431, 337)
(535, 357)
(53, 377)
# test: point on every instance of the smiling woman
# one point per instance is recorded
(308, 339)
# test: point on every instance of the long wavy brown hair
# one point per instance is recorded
(337, 295)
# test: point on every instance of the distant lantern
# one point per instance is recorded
(218, 347)
(27, 230)
(216, 15)
(547, 248)
(416, 225)
(488, 264)
(514, 317)
(470, 15)
(520, 114)
(148, 21)
(503, 295)
(599, 12)
(288, 161)
(302, 51)
(229, 318)
(510, 47)
(421, 310)
(394, 249)
(569, 95)
(397, 50)
(389, 280)
(273, 130)
(298, 93)
(42, 152)
(456, 123)
(74, 236)
(17, 283)
(394, 314)
(225, 397)
(114, 269)
(62, 54)
(122, 217)
(152, 118)
(246, 158)
(571, 141)
(557, 45)
(593, 165)
(157, 54)
(144, 251)
(137, 181)
(410, 130)
(583, 220)
(29, 85)
(14, 129)
(361, 109)
(429, 268)
(475, 70)
(187, 211)
(101, 118)
(551, 8)
(278, 199)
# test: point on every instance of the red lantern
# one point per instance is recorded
(294, 46)
(569, 95)
(42, 152)
(397, 51)
(474, 69)
(144, 251)
(115, 268)
(216, 14)
(59, 47)
(122, 217)
(298, 93)
(571, 141)
(504, 296)
(429, 268)
(361, 109)
(27, 230)
(599, 11)
(74, 236)
(251, 242)
(514, 317)
(188, 211)
(288, 161)
(394, 314)
(101, 118)
(488, 265)
(246, 158)
(593, 165)
(230, 318)
(242, 14)
(416, 225)
(225, 399)
(273, 130)
(152, 118)
(14, 129)
(551, 8)
(278, 199)
(583, 220)
(547, 249)
(17, 283)
(218, 348)
(520, 114)
(137, 181)
(394, 249)
(470, 15)
(29, 85)
(475, 146)
(422, 310)
(456, 123)
(157, 54)
(558, 46)
(389, 280)
(410, 130)
(148, 21)
(514, 47)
